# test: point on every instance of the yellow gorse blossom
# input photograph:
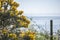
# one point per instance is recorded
(23, 18)
(3, 0)
(32, 35)
(4, 31)
(13, 8)
(20, 12)
(0, 9)
(15, 4)
(27, 21)
(0, 3)
(12, 35)
(21, 23)
(26, 25)
(11, 13)
(22, 34)
(16, 12)
(10, 1)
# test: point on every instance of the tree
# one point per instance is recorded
(12, 15)
(9, 15)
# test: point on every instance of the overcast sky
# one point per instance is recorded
(40, 7)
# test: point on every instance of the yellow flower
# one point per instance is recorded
(4, 31)
(23, 18)
(20, 12)
(28, 21)
(16, 12)
(14, 4)
(22, 34)
(32, 35)
(12, 35)
(10, 1)
(25, 25)
(28, 32)
(13, 8)
(0, 3)
(2, 0)
(21, 23)
(0, 9)
(11, 13)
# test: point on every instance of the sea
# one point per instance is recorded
(43, 23)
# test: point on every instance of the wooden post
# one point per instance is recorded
(51, 29)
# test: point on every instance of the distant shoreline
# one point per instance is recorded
(44, 17)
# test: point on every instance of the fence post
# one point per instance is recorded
(51, 29)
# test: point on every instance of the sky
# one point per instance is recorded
(40, 7)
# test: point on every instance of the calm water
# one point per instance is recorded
(44, 22)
